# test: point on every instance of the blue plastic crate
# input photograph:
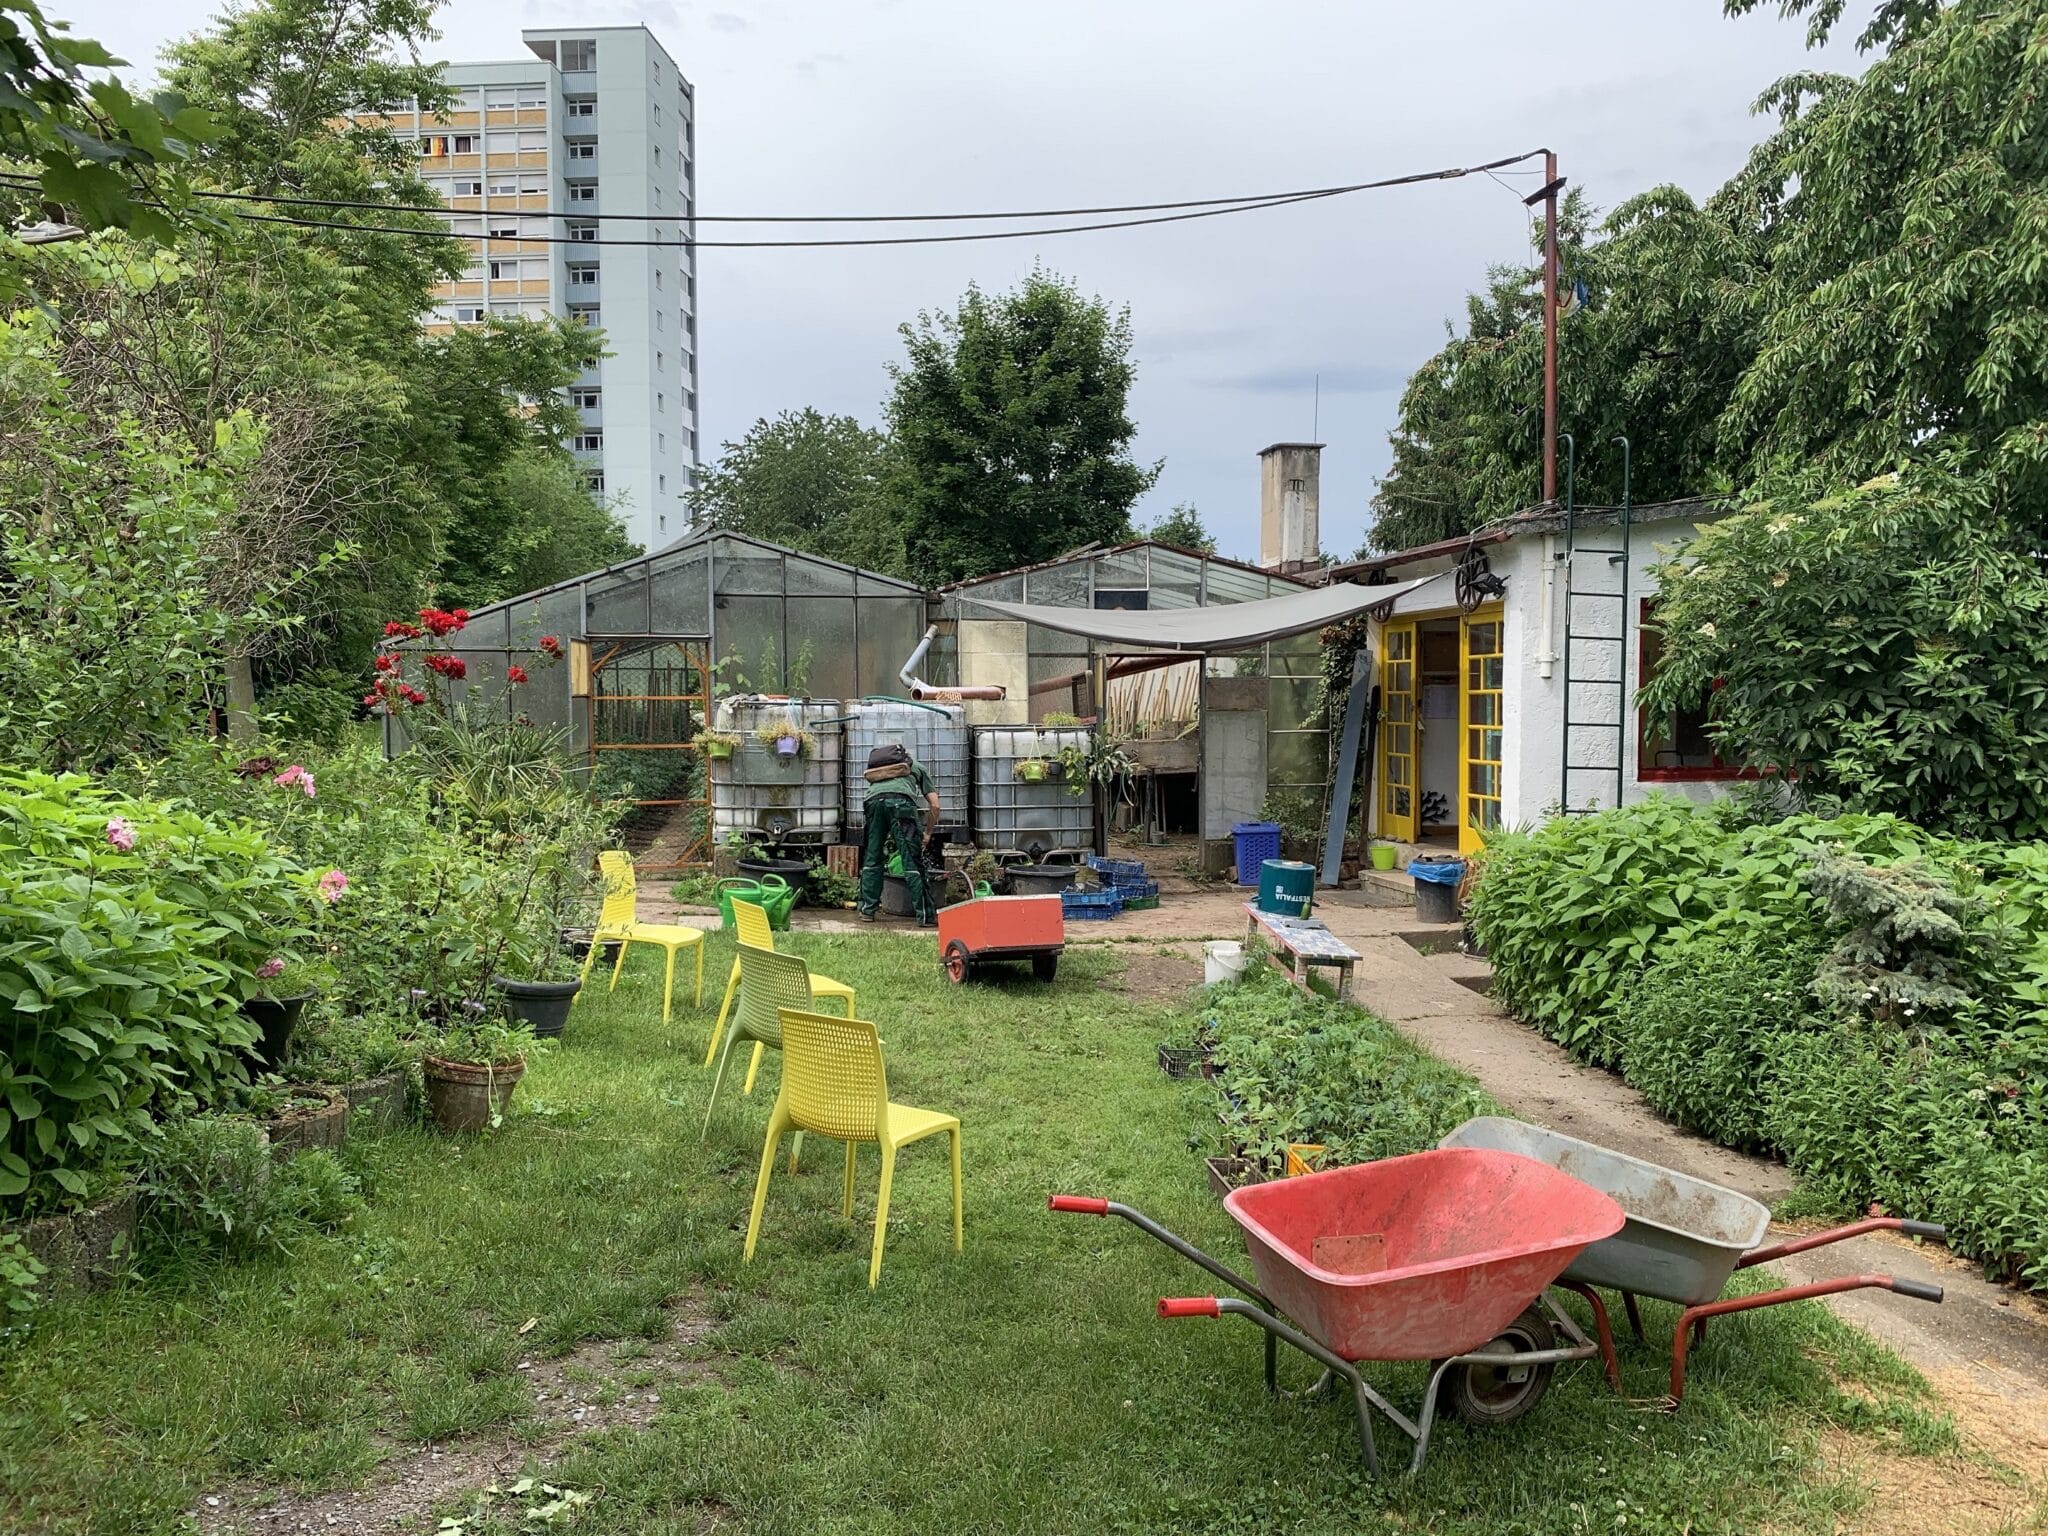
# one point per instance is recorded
(1257, 841)
(1138, 890)
(1118, 871)
(1091, 906)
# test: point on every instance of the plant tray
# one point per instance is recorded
(1091, 906)
(1119, 872)
(1140, 903)
(1179, 1060)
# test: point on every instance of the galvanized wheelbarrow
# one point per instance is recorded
(1683, 1238)
(1442, 1256)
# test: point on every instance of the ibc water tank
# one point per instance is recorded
(778, 799)
(936, 735)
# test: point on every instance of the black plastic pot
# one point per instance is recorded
(1040, 879)
(277, 1017)
(577, 942)
(896, 897)
(795, 873)
(543, 1004)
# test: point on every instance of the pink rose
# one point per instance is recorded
(332, 884)
(270, 969)
(300, 775)
(120, 832)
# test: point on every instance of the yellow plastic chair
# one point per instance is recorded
(619, 920)
(833, 1084)
(750, 923)
(773, 982)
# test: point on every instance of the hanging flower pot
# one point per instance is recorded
(1032, 770)
(718, 748)
(788, 746)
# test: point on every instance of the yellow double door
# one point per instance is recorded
(1482, 663)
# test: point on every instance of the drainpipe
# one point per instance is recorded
(920, 689)
(1547, 656)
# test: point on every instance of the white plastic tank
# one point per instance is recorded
(1031, 815)
(761, 794)
(936, 735)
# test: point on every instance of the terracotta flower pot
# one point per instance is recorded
(462, 1095)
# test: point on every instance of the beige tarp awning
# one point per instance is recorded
(1198, 631)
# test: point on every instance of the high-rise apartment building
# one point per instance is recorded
(598, 121)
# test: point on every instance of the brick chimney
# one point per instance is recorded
(1290, 519)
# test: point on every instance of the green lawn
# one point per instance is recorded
(1024, 1387)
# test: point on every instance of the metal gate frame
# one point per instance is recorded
(695, 659)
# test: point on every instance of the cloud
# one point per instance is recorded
(726, 21)
(1301, 379)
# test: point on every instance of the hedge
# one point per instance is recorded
(1858, 996)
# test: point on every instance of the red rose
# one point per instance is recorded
(411, 695)
(551, 646)
(372, 700)
(515, 674)
(386, 663)
(448, 666)
(399, 627)
(441, 623)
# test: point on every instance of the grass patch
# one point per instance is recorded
(1023, 1387)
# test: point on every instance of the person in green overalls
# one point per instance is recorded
(899, 790)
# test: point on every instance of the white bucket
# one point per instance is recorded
(1223, 961)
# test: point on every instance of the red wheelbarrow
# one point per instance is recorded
(989, 928)
(1684, 1237)
(1443, 1256)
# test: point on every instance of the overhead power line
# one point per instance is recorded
(1202, 209)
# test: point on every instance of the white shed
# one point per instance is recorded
(1507, 680)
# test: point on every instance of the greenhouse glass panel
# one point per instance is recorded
(1064, 586)
(813, 578)
(889, 631)
(749, 629)
(1004, 589)
(620, 609)
(486, 630)
(1176, 580)
(871, 585)
(1053, 642)
(1297, 757)
(557, 613)
(1126, 570)
(823, 626)
(744, 570)
(1227, 584)
(679, 595)
(1291, 702)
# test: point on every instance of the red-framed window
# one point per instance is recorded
(1683, 754)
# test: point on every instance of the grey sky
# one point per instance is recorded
(868, 106)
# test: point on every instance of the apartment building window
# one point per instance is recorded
(469, 225)
(594, 481)
(690, 440)
(582, 191)
(657, 111)
(434, 145)
(657, 154)
(660, 402)
(583, 314)
(660, 363)
(403, 105)
(578, 54)
(500, 98)
(582, 231)
(502, 186)
(657, 277)
(582, 149)
(502, 229)
(524, 141)
(661, 442)
(468, 314)
(464, 186)
(587, 397)
(468, 99)
(505, 311)
(657, 320)
(588, 442)
(661, 484)
(579, 106)
(583, 277)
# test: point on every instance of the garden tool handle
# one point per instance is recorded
(1933, 1231)
(1919, 1290)
(1083, 1205)
(1189, 1306)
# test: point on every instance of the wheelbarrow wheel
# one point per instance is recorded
(958, 963)
(1045, 967)
(1500, 1394)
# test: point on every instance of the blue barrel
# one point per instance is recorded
(1286, 887)
(1257, 841)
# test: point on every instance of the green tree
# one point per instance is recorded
(1652, 353)
(812, 481)
(1184, 529)
(1012, 438)
(91, 142)
(1884, 648)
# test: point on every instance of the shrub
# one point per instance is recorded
(1300, 1069)
(213, 1176)
(130, 932)
(1701, 1024)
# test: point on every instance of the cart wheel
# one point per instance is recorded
(1501, 1394)
(958, 963)
(1045, 967)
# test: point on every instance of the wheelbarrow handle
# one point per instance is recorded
(1919, 1290)
(1189, 1306)
(1090, 1205)
(1927, 1229)
(1933, 1231)
(1080, 1205)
